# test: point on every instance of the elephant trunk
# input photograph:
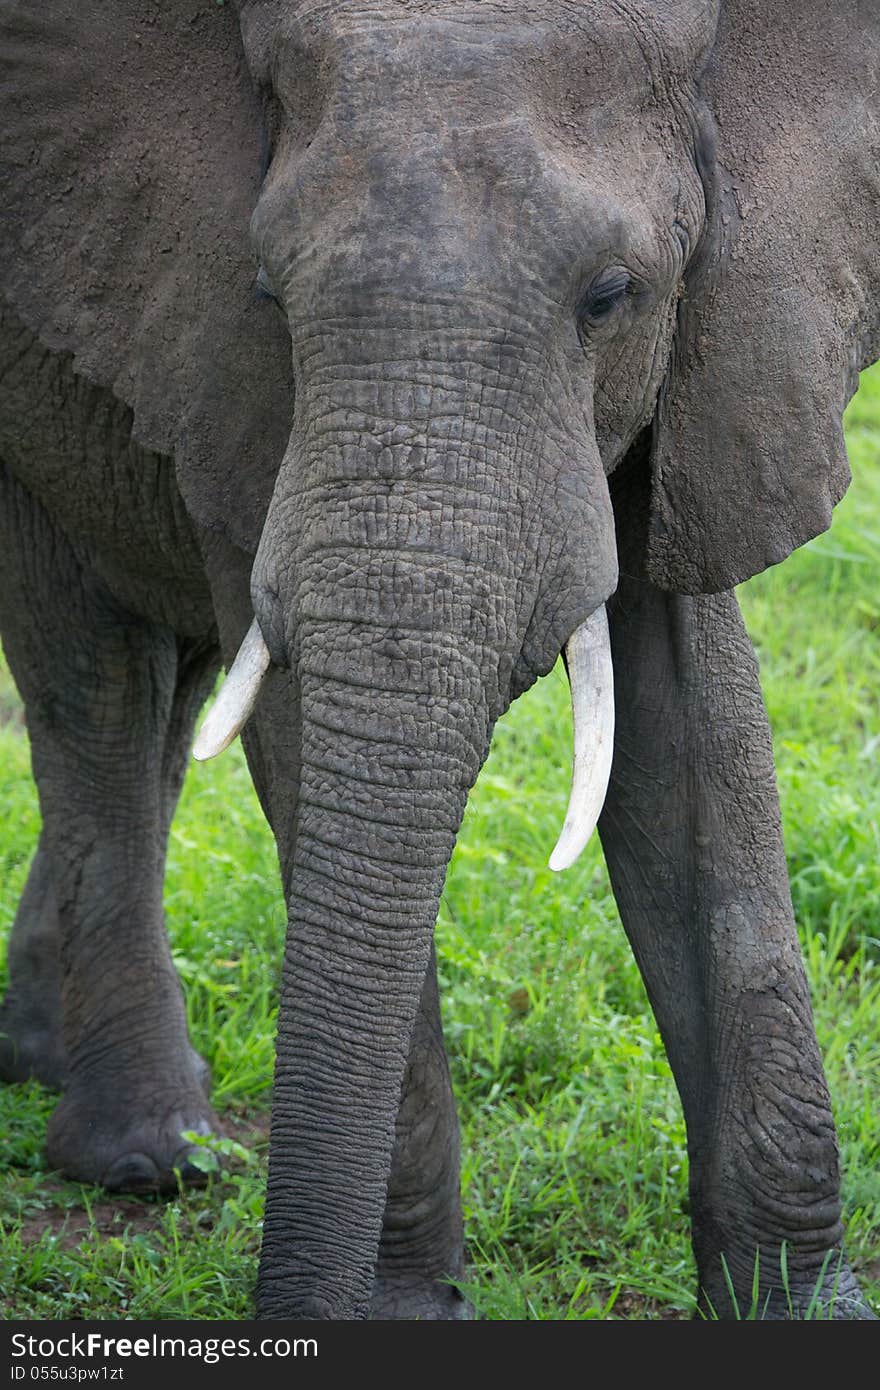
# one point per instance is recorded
(432, 544)
(394, 727)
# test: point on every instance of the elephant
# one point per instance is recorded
(407, 345)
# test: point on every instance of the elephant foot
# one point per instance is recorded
(834, 1308)
(139, 1150)
(832, 1297)
(417, 1301)
(30, 1047)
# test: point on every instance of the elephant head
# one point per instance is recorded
(398, 286)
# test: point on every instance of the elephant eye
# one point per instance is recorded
(264, 289)
(604, 294)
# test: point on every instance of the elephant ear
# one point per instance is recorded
(132, 162)
(780, 310)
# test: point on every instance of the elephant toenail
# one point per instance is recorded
(135, 1172)
(188, 1173)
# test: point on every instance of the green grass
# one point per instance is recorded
(575, 1166)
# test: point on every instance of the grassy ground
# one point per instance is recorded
(575, 1169)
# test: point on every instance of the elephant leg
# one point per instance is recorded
(110, 699)
(692, 838)
(421, 1252)
(31, 1042)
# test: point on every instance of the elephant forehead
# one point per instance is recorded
(455, 55)
(450, 150)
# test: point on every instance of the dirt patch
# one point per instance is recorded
(639, 1307)
(70, 1226)
(70, 1222)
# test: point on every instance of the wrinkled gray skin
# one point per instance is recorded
(564, 329)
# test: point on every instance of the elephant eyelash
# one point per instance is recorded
(604, 295)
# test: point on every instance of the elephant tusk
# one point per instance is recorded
(591, 677)
(238, 696)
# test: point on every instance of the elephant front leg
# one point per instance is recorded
(108, 697)
(692, 838)
(31, 1030)
(421, 1253)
